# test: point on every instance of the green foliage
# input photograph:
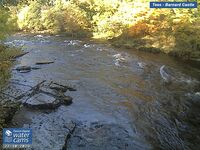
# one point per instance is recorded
(6, 54)
(4, 24)
(29, 17)
(75, 20)
(57, 16)
(173, 31)
(8, 22)
(129, 22)
(52, 20)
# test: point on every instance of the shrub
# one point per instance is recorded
(29, 17)
(75, 20)
(4, 24)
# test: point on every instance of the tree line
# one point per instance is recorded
(128, 23)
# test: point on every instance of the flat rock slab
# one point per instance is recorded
(43, 95)
(42, 101)
(40, 98)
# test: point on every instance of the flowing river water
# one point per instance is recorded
(115, 87)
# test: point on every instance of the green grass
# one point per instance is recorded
(6, 56)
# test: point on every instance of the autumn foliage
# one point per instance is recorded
(130, 23)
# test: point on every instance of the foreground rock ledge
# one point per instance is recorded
(101, 136)
(43, 95)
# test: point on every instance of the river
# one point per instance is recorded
(114, 86)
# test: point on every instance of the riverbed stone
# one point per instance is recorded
(61, 88)
(66, 100)
(44, 62)
(23, 69)
(58, 88)
(42, 101)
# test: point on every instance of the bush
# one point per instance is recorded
(52, 20)
(29, 17)
(4, 24)
(132, 22)
(6, 54)
(59, 17)
(75, 20)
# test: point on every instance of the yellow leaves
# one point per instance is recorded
(22, 17)
(5, 55)
(74, 19)
(4, 26)
(4, 65)
(62, 16)
(8, 53)
(138, 29)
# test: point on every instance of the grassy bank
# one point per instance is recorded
(7, 56)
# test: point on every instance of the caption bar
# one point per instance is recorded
(173, 4)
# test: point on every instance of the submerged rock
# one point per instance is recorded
(58, 88)
(65, 100)
(23, 69)
(61, 88)
(141, 65)
(35, 68)
(44, 62)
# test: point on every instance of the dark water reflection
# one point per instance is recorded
(167, 115)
